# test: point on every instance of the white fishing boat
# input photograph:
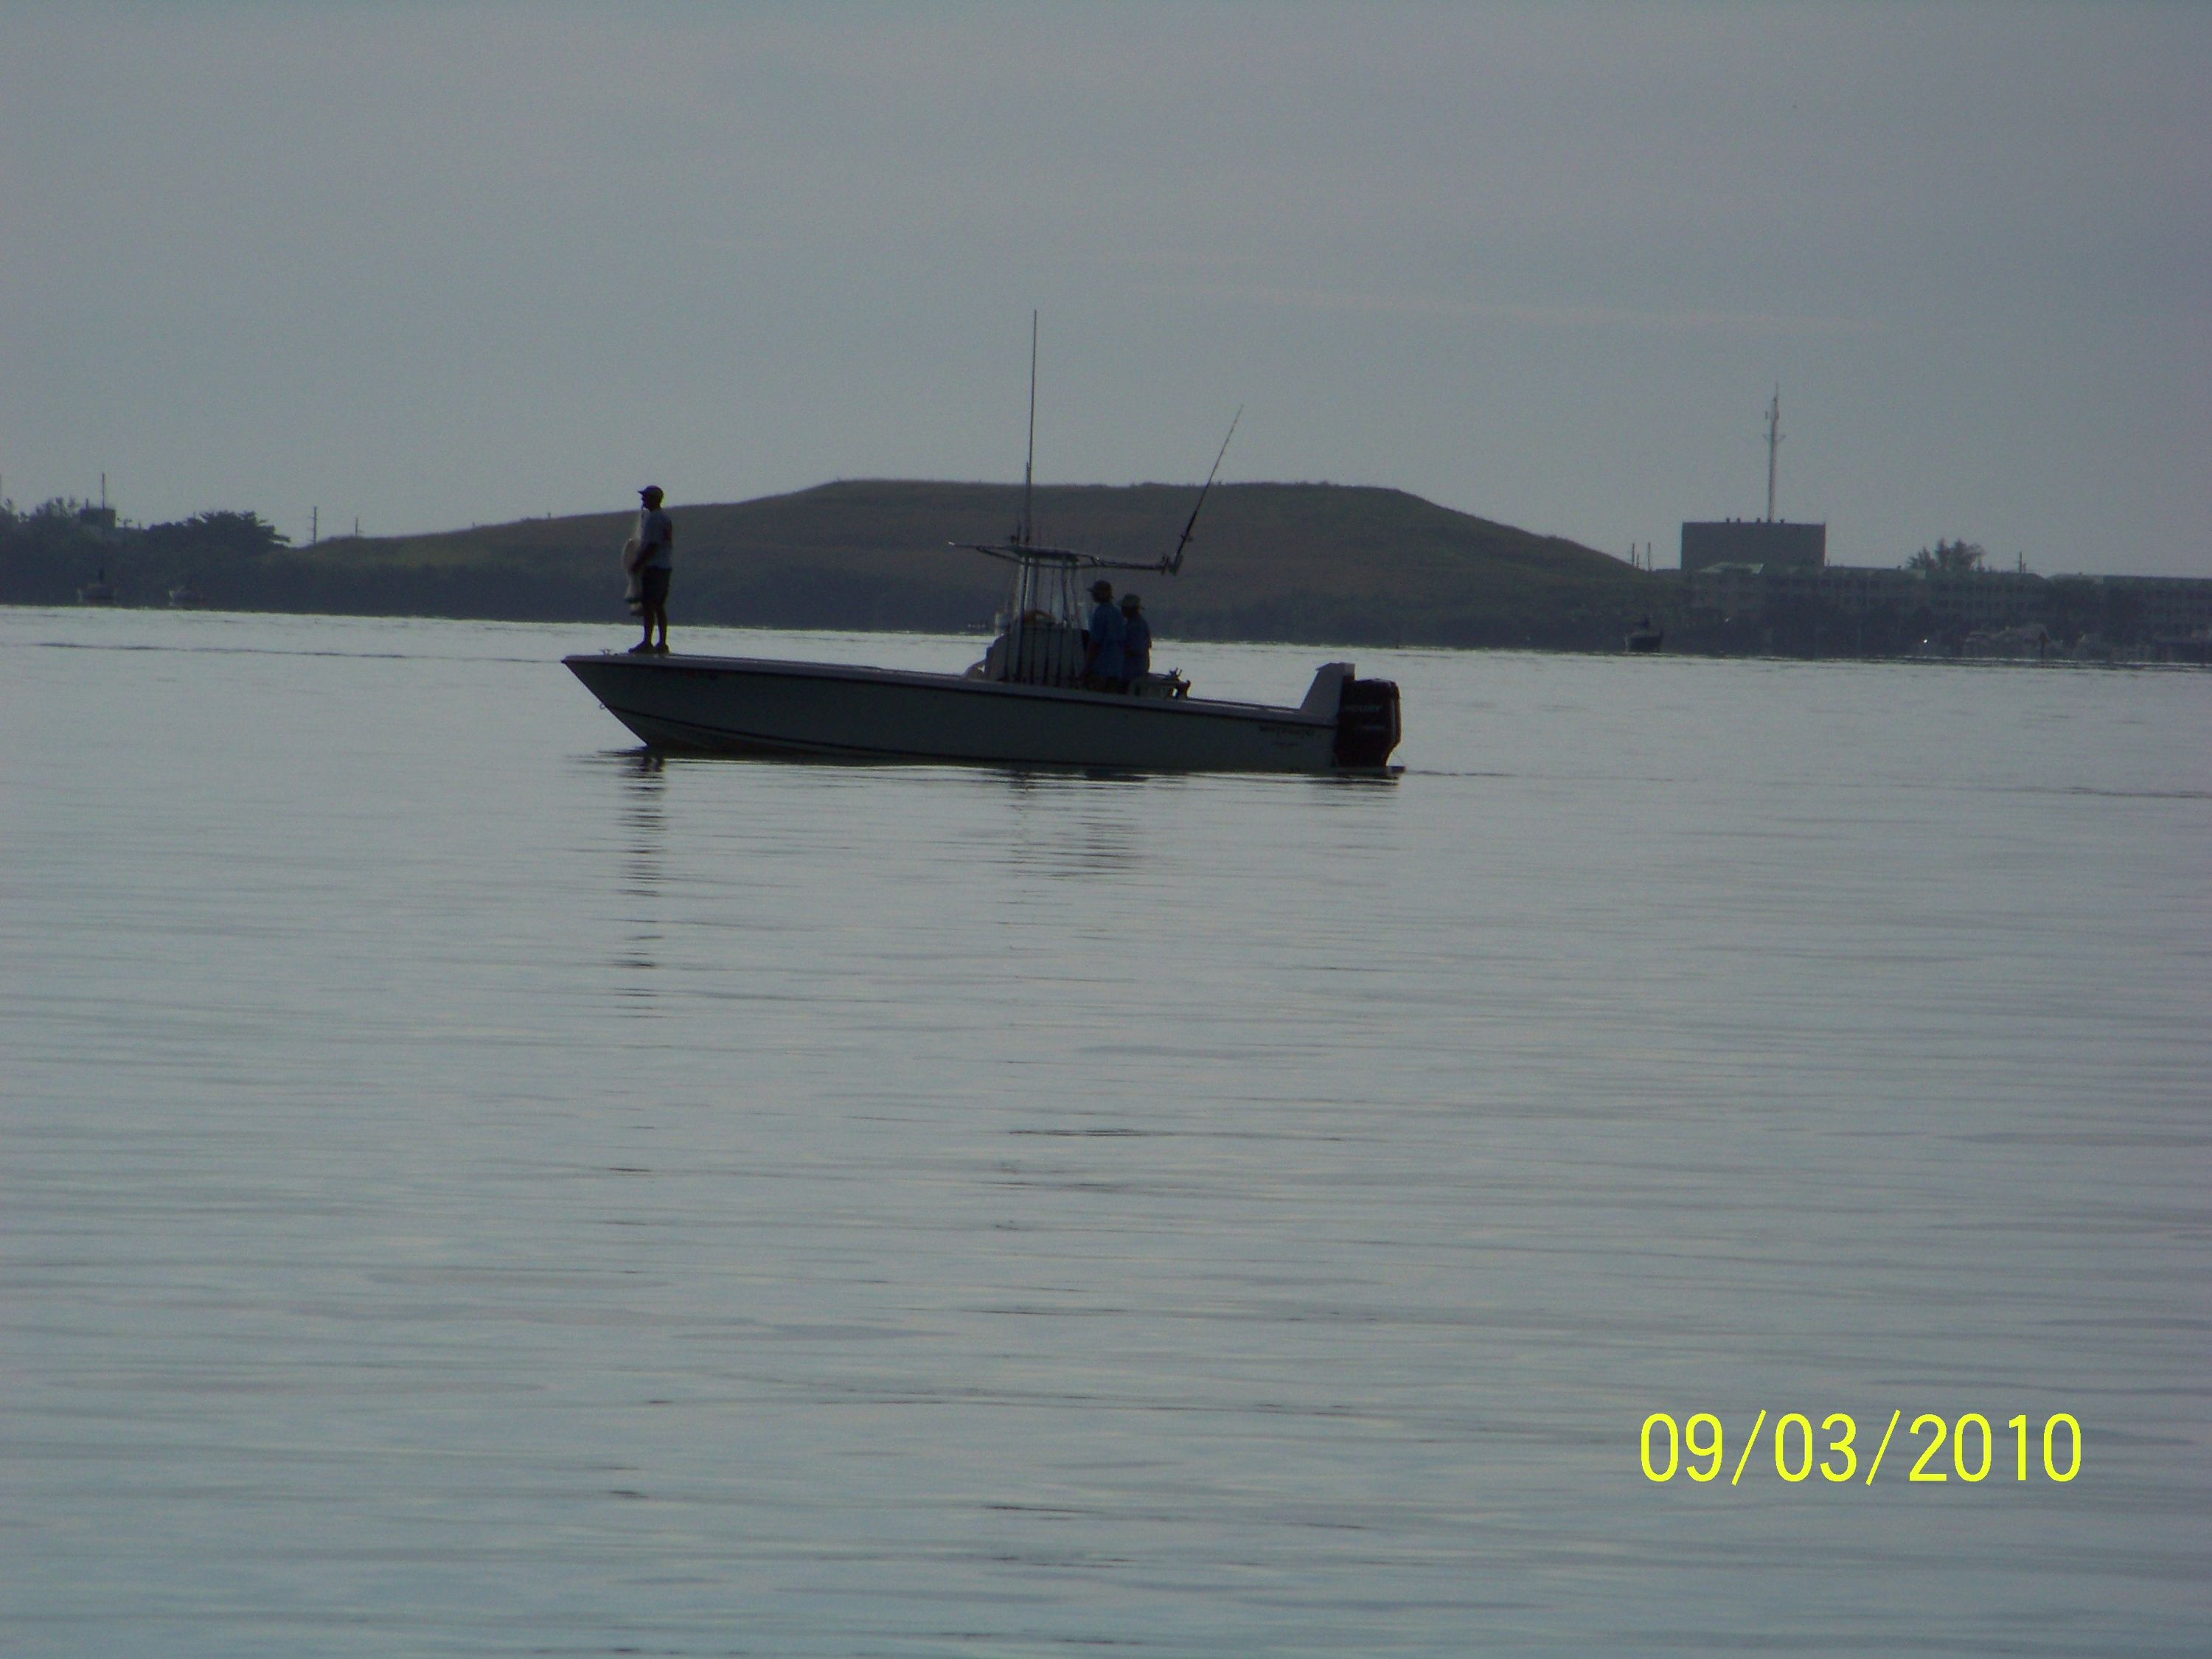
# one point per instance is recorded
(1028, 702)
(756, 705)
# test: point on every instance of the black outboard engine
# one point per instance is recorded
(1366, 723)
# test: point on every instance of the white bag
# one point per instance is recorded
(633, 560)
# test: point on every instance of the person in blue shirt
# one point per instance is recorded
(1136, 642)
(1102, 658)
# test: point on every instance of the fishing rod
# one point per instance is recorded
(1173, 563)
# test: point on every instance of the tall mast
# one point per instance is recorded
(1028, 461)
(1773, 443)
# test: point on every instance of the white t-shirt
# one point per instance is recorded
(656, 539)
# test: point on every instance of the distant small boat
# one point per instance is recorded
(98, 590)
(1644, 638)
(186, 599)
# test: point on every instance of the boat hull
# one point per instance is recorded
(747, 706)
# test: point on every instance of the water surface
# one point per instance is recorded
(468, 1186)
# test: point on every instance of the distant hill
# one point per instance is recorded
(1320, 564)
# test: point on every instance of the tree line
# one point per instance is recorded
(62, 544)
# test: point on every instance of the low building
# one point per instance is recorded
(1954, 603)
(1981, 599)
(1730, 590)
(2161, 605)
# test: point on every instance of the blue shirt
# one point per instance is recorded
(1137, 647)
(1107, 631)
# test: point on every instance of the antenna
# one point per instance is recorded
(1773, 443)
(1174, 565)
(1029, 463)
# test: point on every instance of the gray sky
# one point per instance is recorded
(442, 264)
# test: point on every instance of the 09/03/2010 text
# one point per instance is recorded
(1699, 1447)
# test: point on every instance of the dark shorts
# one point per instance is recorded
(653, 586)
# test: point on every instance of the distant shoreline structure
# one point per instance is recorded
(1304, 563)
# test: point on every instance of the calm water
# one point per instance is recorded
(465, 1188)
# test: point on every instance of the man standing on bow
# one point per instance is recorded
(656, 557)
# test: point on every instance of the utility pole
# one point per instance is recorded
(314, 525)
(1773, 443)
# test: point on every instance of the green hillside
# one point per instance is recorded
(1321, 563)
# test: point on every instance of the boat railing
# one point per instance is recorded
(1042, 641)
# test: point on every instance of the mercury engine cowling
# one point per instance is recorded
(1366, 722)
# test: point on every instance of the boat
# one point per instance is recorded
(1643, 638)
(1026, 704)
(765, 706)
(187, 598)
(98, 590)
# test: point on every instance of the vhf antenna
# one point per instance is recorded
(1773, 443)
(1028, 461)
(1173, 564)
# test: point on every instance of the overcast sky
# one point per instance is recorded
(435, 265)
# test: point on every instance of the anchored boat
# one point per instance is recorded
(1026, 704)
(750, 706)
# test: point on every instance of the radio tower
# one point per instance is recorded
(1773, 443)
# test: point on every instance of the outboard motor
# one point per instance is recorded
(1366, 723)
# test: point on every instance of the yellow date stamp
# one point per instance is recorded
(1964, 1448)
